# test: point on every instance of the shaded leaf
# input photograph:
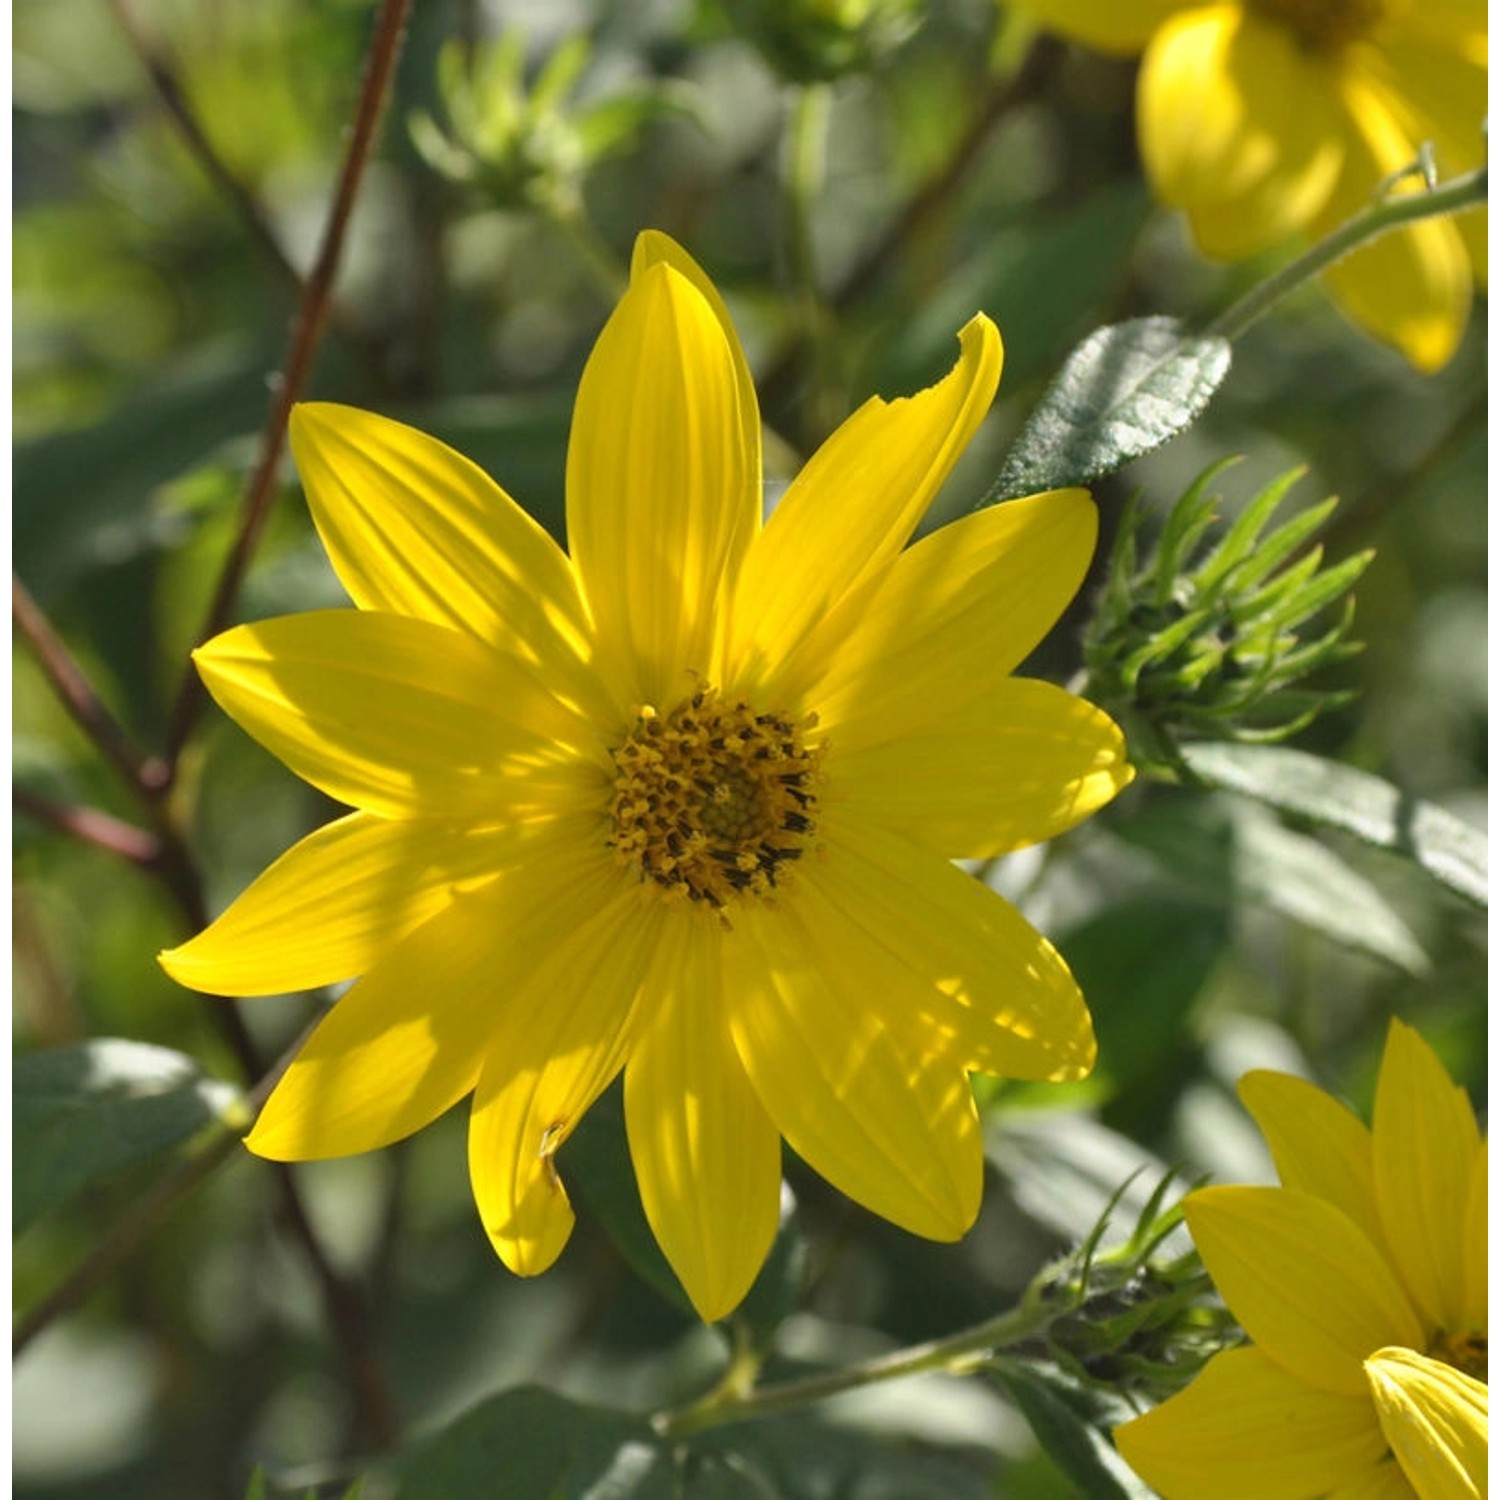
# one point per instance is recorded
(803, 1458)
(1355, 802)
(531, 1444)
(84, 1111)
(1075, 1444)
(1226, 851)
(1142, 964)
(1124, 391)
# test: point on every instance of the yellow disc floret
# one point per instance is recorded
(713, 800)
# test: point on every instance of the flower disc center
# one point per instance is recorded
(713, 800)
(1326, 24)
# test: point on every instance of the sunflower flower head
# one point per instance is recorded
(1361, 1282)
(1263, 119)
(679, 803)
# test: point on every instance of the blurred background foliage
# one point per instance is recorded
(965, 165)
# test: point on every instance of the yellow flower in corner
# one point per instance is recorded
(1263, 118)
(680, 803)
(1362, 1283)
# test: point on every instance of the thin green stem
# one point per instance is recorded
(1469, 191)
(803, 175)
(729, 1402)
(608, 273)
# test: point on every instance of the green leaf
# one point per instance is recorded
(1240, 851)
(1142, 964)
(1124, 391)
(1075, 1444)
(1356, 802)
(84, 1111)
(595, 1163)
(531, 1444)
(805, 1458)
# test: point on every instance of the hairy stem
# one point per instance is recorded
(729, 1403)
(1469, 191)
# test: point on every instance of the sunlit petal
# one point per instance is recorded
(334, 903)
(952, 618)
(1016, 767)
(407, 1041)
(398, 716)
(920, 937)
(706, 1155)
(663, 493)
(854, 506)
(413, 528)
(888, 1120)
(557, 1036)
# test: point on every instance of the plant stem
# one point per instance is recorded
(1469, 191)
(76, 692)
(305, 341)
(803, 175)
(89, 824)
(593, 251)
(726, 1403)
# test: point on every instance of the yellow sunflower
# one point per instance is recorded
(1262, 118)
(1362, 1282)
(680, 802)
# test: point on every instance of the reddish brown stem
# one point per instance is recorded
(77, 694)
(306, 338)
(90, 825)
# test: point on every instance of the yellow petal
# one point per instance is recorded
(407, 1041)
(1412, 287)
(652, 247)
(558, 1036)
(1381, 1480)
(1240, 125)
(854, 506)
(1441, 92)
(1425, 1143)
(334, 903)
(1016, 767)
(954, 615)
(1476, 1243)
(707, 1157)
(1110, 25)
(413, 528)
(1437, 1421)
(870, 1105)
(1246, 1430)
(663, 494)
(1457, 27)
(922, 939)
(397, 716)
(1318, 1145)
(1307, 1285)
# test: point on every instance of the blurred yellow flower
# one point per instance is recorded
(680, 803)
(1362, 1282)
(1262, 118)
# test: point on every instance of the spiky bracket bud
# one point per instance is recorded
(1208, 642)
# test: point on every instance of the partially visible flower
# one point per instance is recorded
(1262, 118)
(680, 804)
(1362, 1283)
